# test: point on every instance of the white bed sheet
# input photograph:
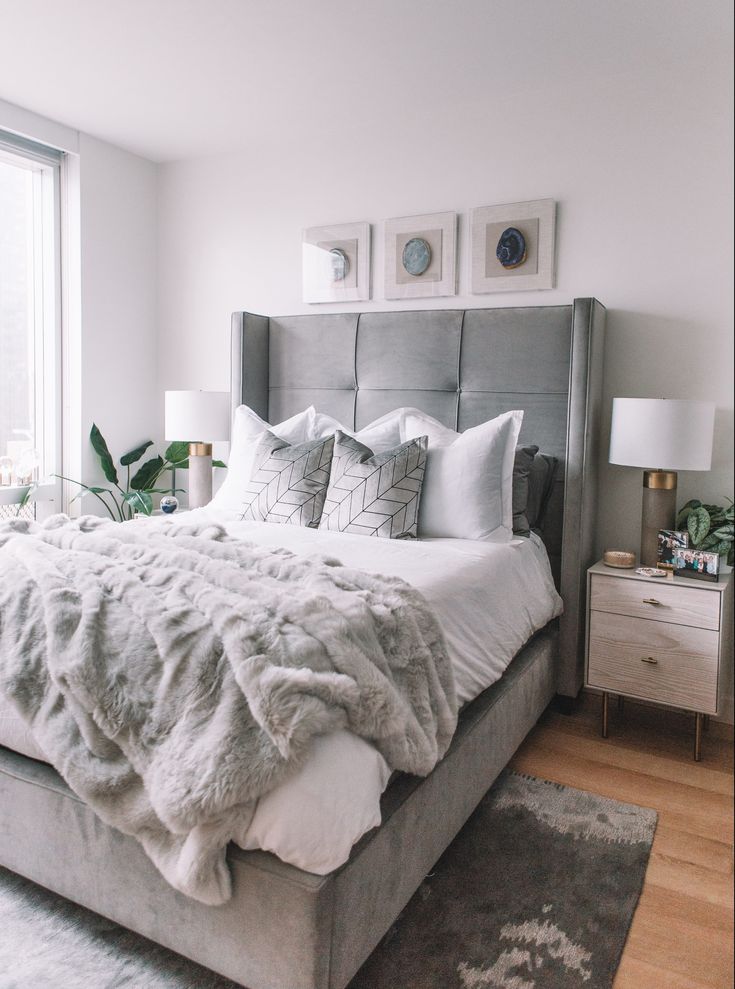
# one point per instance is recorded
(489, 597)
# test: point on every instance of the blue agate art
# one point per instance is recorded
(416, 256)
(511, 249)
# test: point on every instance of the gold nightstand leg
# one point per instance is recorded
(605, 711)
(698, 719)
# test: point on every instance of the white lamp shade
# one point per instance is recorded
(197, 416)
(670, 433)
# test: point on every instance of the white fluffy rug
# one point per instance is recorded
(47, 942)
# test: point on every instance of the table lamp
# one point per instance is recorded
(206, 416)
(674, 433)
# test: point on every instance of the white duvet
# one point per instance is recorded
(489, 598)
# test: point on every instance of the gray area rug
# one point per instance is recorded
(537, 892)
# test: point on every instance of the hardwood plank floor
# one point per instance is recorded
(682, 932)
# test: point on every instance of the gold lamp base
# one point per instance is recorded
(659, 511)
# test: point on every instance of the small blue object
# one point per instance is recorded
(511, 249)
(416, 256)
(169, 504)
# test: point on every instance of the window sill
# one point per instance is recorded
(16, 492)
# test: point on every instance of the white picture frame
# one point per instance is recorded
(536, 221)
(434, 267)
(336, 263)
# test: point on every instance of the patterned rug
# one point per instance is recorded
(537, 892)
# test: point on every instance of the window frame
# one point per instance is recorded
(47, 167)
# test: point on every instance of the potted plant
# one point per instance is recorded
(136, 495)
(710, 527)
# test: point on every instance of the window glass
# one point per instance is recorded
(29, 351)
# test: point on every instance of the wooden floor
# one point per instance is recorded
(682, 933)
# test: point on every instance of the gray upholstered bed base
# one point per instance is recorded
(284, 928)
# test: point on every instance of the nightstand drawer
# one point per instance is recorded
(658, 661)
(663, 602)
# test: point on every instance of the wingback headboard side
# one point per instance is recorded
(580, 488)
(463, 367)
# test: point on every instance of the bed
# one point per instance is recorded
(287, 928)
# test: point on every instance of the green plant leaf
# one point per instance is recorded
(219, 463)
(88, 490)
(685, 511)
(133, 456)
(164, 490)
(723, 532)
(146, 475)
(698, 524)
(177, 452)
(139, 501)
(709, 542)
(105, 457)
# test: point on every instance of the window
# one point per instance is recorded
(30, 417)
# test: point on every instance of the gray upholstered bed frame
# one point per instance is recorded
(463, 367)
(284, 928)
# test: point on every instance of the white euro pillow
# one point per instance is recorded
(468, 485)
(381, 435)
(247, 430)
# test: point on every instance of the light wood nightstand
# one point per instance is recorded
(657, 639)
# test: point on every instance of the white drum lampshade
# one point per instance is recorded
(663, 435)
(199, 418)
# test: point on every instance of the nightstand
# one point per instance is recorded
(657, 639)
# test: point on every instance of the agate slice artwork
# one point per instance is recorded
(340, 264)
(420, 256)
(511, 249)
(336, 263)
(416, 256)
(513, 246)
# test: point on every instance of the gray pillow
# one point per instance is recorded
(540, 486)
(288, 484)
(521, 472)
(375, 494)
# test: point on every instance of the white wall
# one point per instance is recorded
(109, 253)
(118, 300)
(635, 145)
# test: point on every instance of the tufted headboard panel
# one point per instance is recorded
(463, 367)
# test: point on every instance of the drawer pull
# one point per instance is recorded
(652, 601)
(650, 660)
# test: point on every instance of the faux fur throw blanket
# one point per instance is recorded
(173, 674)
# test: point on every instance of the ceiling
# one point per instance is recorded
(172, 79)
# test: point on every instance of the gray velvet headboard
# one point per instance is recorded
(463, 367)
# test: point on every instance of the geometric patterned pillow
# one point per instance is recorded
(288, 484)
(375, 494)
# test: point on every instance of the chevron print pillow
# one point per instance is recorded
(375, 494)
(288, 483)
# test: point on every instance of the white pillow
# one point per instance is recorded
(247, 429)
(468, 487)
(381, 435)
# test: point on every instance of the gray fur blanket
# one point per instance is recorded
(173, 674)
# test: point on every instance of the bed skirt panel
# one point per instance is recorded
(283, 928)
(421, 817)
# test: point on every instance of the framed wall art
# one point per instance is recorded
(420, 256)
(336, 263)
(513, 246)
